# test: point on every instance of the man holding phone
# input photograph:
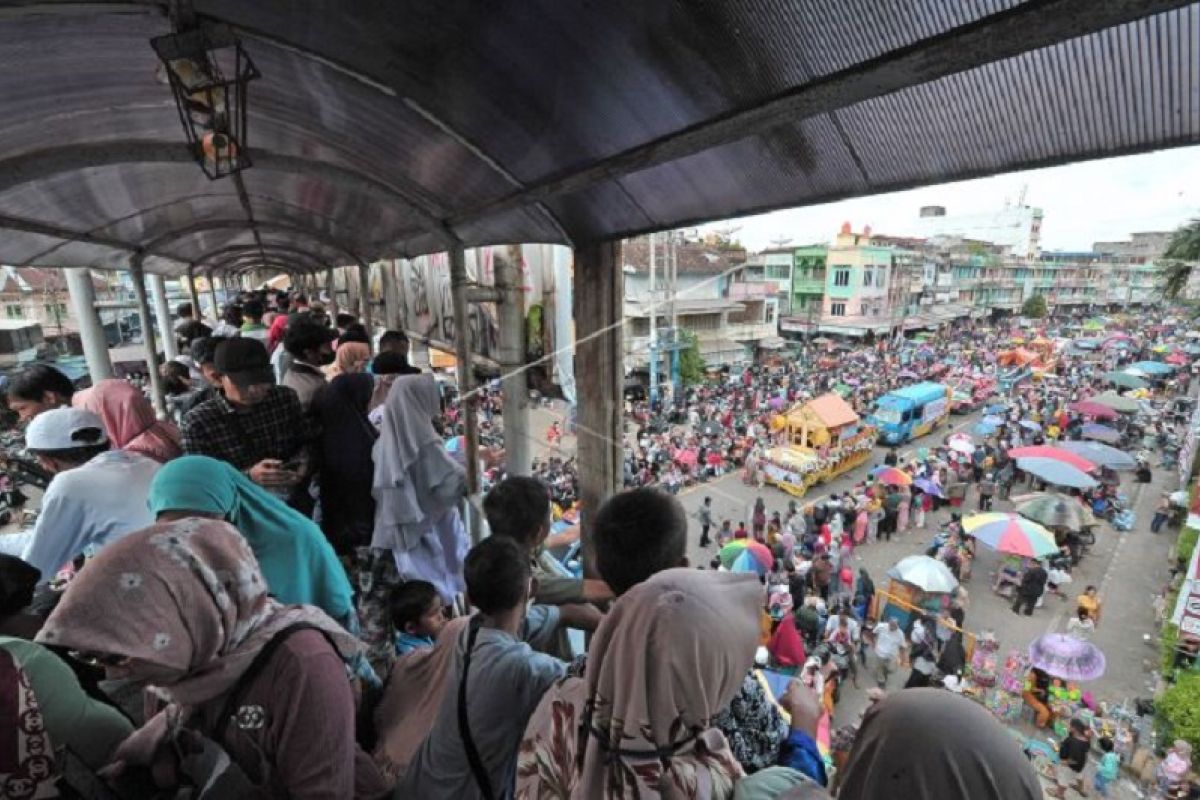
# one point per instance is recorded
(254, 425)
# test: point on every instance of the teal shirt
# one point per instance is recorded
(1110, 766)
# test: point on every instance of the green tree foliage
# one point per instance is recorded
(1179, 709)
(691, 363)
(1035, 307)
(1181, 255)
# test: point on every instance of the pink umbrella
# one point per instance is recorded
(1177, 358)
(686, 458)
(1097, 410)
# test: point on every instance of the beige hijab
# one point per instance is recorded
(668, 657)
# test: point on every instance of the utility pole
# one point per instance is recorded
(653, 327)
(676, 380)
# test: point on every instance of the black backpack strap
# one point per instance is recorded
(234, 698)
(464, 727)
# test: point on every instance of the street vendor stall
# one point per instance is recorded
(825, 438)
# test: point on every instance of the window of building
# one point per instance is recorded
(841, 277)
(867, 276)
(881, 278)
(837, 309)
(13, 311)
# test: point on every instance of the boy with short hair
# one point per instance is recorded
(417, 614)
(1109, 767)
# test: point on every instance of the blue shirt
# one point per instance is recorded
(406, 642)
(800, 752)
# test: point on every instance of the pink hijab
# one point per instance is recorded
(129, 420)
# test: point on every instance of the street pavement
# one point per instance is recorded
(1129, 569)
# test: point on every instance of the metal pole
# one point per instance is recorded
(518, 456)
(162, 311)
(331, 289)
(364, 291)
(653, 328)
(139, 290)
(91, 330)
(459, 287)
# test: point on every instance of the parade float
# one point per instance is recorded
(825, 439)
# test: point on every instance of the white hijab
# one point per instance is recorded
(415, 478)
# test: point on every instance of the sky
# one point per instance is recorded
(1089, 201)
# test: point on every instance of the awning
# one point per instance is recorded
(772, 343)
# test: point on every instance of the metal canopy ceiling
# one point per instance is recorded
(390, 129)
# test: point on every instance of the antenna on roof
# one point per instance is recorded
(779, 241)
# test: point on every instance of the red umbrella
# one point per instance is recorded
(1098, 410)
(1177, 358)
(1056, 453)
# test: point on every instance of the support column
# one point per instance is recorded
(139, 289)
(597, 299)
(392, 299)
(162, 311)
(91, 329)
(212, 295)
(518, 455)
(459, 288)
(331, 288)
(197, 312)
(364, 294)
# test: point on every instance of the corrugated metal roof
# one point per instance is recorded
(379, 129)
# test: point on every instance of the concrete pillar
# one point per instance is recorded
(597, 298)
(392, 299)
(364, 293)
(518, 455)
(91, 330)
(331, 289)
(162, 311)
(158, 395)
(459, 287)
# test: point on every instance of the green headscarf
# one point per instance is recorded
(296, 559)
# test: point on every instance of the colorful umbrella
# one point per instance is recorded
(1101, 454)
(1066, 657)
(1087, 344)
(892, 476)
(1126, 380)
(1056, 472)
(1115, 338)
(1048, 451)
(1055, 510)
(1029, 424)
(1011, 534)
(984, 428)
(992, 420)
(928, 487)
(746, 555)
(927, 574)
(1154, 367)
(907, 374)
(1126, 405)
(686, 458)
(1177, 358)
(996, 408)
(1101, 433)
(961, 443)
(1092, 409)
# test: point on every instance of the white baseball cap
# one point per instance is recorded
(64, 429)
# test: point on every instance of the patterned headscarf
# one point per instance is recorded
(187, 596)
(669, 656)
(27, 768)
(129, 419)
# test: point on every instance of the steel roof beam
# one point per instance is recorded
(1026, 27)
(242, 249)
(331, 242)
(233, 263)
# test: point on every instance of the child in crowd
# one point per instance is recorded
(1073, 756)
(417, 615)
(1109, 767)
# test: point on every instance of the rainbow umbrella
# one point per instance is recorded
(1057, 453)
(746, 555)
(892, 476)
(1011, 533)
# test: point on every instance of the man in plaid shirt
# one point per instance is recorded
(256, 426)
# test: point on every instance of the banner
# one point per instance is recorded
(1187, 607)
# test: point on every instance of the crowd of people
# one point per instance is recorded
(272, 592)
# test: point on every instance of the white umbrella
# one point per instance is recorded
(925, 573)
(961, 443)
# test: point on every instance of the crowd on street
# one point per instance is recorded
(270, 591)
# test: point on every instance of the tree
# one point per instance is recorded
(1182, 253)
(1035, 307)
(691, 363)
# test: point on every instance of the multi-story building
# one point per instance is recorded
(1018, 228)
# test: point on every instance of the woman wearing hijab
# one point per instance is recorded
(129, 419)
(182, 606)
(930, 743)
(347, 436)
(298, 562)
(670, 655)
(351, 358)
(417, 487)
(786, 646)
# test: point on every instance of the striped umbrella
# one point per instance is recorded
(1011, 534)
(1057, 453)
(746, 555)
(1054, 509)
(892, 476)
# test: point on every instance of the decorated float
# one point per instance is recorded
(825, 438)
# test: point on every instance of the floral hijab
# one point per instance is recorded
(185, 596)
(27, 768)
(670, 655)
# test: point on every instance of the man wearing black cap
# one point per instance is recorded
(255, 425)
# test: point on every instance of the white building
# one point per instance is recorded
(1017, 228)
